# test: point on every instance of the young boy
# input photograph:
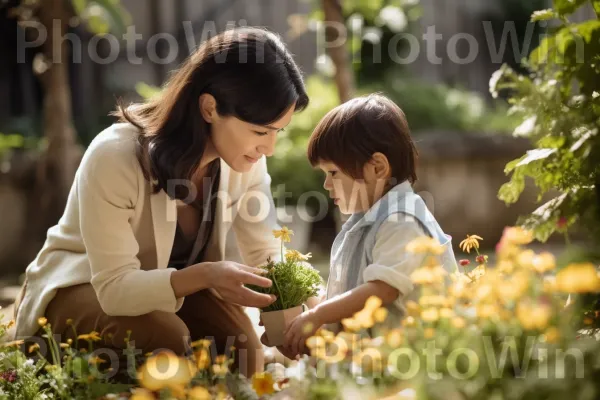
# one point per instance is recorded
(369, 158)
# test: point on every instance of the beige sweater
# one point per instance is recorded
(117, 235)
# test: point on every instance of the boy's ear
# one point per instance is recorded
(378, 168)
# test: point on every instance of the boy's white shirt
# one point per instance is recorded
(392, 264)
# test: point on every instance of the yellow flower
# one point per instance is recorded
(544, 262)
(428, 333)
(525, 259)
(578, 278)
(166, 370)
(408, 321)
(552, 335)
(430, 315)
(284, 233)
(372, 303)
(262, 383)
(432, 300)
(458, 322)
(446, 313)
(314, 342)
(394, 337)
(69, 321)
(95, 360)
(220, 369)
(427, 275)
(471, 242)
(369, 360)
(65, 345)
(204, 343)
(142, 394)
(341, 350)
(487, 310)
(352, 325)
(199, 393)
(202, 359)
(295, 255)
(364, 318)
(34, 347)
(220, 359)
(380, 314)
(42, 321)
(534, 316)
(425, 244)
(14, 343)
(10, 324)
(516, 235)
(412, 308)
(93, 336)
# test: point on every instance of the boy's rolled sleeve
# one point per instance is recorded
(392, 264)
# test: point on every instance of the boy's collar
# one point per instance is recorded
(370, 216)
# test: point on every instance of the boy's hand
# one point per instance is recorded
(301, 328)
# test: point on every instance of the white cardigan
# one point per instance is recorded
(117, 235)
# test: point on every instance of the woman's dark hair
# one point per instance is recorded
(351, 133)
(251, 75)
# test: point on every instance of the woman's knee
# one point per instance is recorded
(150, 332)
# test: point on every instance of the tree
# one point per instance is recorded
(56, 166)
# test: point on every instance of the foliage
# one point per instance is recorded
(437, 106)
(103, 16)
(487, 332)
(559, 106)
(294, 280)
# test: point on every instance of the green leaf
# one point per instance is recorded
(79, 6)
(104, 16)
(566, 7)
(511, 191)
(146, 91)
(596, 5)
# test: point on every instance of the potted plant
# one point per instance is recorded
(294, 282)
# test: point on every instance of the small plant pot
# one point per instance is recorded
(276, 322)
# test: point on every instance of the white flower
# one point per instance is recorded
(28, 363)
(393, 17)
(526, 128)
(595, 95)
(494, 82)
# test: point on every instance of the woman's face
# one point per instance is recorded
(241, 144)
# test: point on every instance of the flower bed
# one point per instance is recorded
(513, 330)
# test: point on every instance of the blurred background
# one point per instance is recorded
(54, 100)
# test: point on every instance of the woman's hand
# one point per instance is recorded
(228, 278)
(301, 328)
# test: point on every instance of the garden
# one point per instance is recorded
(513, 322)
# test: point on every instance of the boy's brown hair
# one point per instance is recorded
(351, 133)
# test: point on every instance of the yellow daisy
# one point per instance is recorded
(471, 242)
(284, 233)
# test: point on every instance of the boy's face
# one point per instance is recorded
(349, 194)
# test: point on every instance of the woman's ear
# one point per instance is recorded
(208, 107)
(378, 168)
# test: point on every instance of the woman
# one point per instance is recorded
(154, 196)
